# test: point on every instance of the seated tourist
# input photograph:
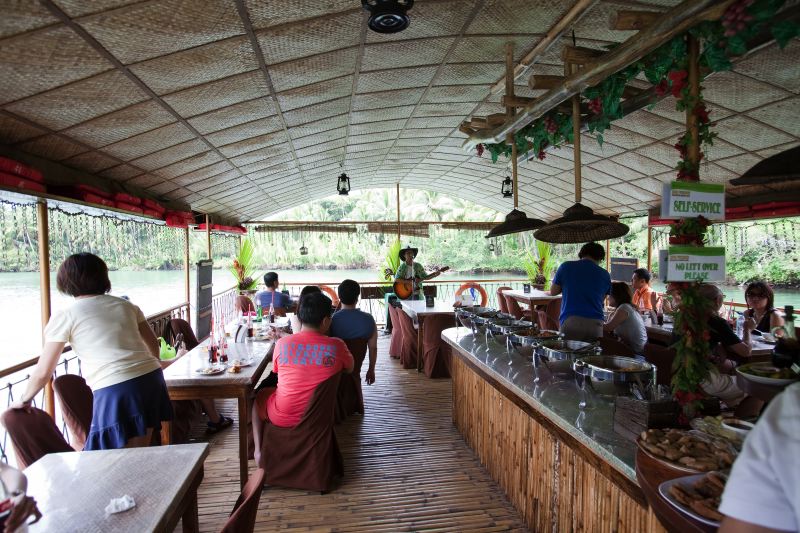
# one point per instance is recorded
(671, 300)
(271, 295)
(763, 490)
(723, 342)
(351, 323)
(302, 361)
(626, 322)
(644, 297)
(583, 285)
(761, 307)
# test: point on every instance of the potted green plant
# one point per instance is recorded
(242, 269)
(540, 267)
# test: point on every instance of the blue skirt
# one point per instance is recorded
(128, 409)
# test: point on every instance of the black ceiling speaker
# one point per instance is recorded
(388, 16)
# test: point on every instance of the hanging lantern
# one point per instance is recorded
(388, 16)
(343, 184)
(303, 250)
(507, 188)
(491, 247)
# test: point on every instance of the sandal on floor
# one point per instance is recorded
(216, 427)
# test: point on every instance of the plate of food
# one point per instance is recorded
(211, 370)
(697, 496)
(280, 322)
(715, 427)
(687, 451)
(767, 374)
(241, 362)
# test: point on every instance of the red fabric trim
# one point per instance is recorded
(152, 204)
(20, 169)
(129, 207)
(127, 198)
(18, 182)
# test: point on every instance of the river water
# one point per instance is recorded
(155, 291)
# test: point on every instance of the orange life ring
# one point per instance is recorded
(331, 293)
(481, 290)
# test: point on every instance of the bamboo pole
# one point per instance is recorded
(650, 248)
(510, 110)
(397, 189)
(553, 35)
(186, 269)
(608, 255)
(43, 235)
(674, 22)
(208, 237)
(693, 149)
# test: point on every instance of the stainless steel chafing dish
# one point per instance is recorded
(532, 336)
(503, 326)
(612, 375)
(560, 354)
(473, 317)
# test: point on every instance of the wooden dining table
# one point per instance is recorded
(72, 489)
(418, 311)
(185, 381)
(533, 298)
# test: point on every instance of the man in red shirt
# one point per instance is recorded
(302, 361)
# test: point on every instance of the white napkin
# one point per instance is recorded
(118, 505)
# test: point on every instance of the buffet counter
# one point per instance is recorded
(563, 468)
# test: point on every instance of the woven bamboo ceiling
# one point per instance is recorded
(244, 108)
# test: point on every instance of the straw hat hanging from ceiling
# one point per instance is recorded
(580, 223)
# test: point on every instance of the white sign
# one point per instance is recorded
(684, 199)
(695, 263)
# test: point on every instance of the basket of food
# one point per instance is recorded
(767, 374)
(687, 451)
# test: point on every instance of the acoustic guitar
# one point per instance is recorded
(405, 288)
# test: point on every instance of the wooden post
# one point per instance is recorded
(397, 188)
(650, 249)
(608, 255)
(569, 68)
(186, 269)
(208, 237)
(693, 149)
(43, 234)
(510, 110)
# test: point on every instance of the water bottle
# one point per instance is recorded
(740, 325)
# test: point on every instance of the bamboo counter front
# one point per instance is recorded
(564, 469)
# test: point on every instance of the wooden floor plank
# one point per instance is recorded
(406, 469)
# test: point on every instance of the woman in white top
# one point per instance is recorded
(626, 322)
(118, 353)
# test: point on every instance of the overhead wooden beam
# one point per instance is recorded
(553, 35)
(579, 55)
(515, 101)
(632, 20)
(545, 81)
(672, 23)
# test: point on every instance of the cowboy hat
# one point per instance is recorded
(404, 250)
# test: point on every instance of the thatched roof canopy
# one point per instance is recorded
(244, 108)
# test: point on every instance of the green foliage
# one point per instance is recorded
(392, 260)
(243, 268)
(540, 267)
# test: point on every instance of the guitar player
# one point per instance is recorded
(411, 270)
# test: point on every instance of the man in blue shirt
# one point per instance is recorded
(583, 285)
(272, 295)
(351, 323)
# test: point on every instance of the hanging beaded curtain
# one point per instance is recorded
(122, 243)
(20, 241)
(224, 247)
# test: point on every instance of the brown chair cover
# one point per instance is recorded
(662, 357)
(76, 399)
(513, 307)
(179, 325)
(33, 434)
(501, 299)
(306, 456)
(243, 516)
(549, 316)
(435, 351)
(408, 351)
(612, 346)
(185, 412)
(396, 345)
(350, 398)
(244, 304)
